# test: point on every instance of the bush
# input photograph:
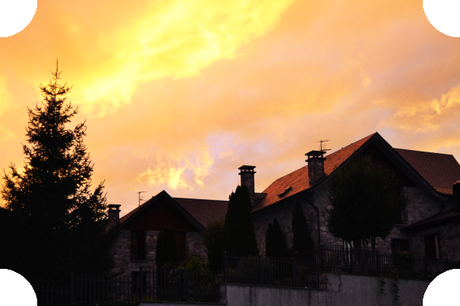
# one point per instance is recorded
(194, 262)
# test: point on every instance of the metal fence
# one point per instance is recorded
(270, 271)
(144, 285)
(405, 264)
(203, 286)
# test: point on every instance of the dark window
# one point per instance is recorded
(432, 247)
(138, 245)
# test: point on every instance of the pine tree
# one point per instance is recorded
(301, 240)
(275, 245)
(239, 236)
(57, 224)
(213, 239)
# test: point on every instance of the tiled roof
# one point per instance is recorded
(298, 180)
(132, 212)
(432, 221)
(439, 170)
(204, 210)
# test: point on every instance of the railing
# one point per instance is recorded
(270, 271)
(408, 265)
(146, 284)
(203, 286)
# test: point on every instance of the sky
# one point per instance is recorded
(178, 94)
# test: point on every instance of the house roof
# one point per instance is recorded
(298, 180)
(433, 171)
(199, 211)
(439, 170)
(435, 220)
(204, 210)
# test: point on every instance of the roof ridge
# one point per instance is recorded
(180, 198)
(427, 152)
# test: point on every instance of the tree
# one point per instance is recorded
(239, 236)
(166, 250)
(275, 245)
(301, 238)
(214, 242)
(55, 224)
(365, 200)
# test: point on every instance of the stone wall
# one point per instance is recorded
(449, 242)
(122, 253)
(419, 208)
(341, 290)
(122, 250)
(195, 244)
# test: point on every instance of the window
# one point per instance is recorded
(137, 245)
(432, 247)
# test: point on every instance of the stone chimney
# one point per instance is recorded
(315, 162)
(247, 179)
(114, 215)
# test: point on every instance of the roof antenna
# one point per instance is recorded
(139, 193)
(321, 145)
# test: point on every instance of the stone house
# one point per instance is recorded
(429, 224)
(138, 230)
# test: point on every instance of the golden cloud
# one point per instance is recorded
(187, 172)
(174, 39)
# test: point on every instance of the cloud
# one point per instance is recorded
(168, 39)
(185, 173)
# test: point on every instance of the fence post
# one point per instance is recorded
(261, 270)
(183, 283)
(424, 265)
(351, 260)
(71, 288)
(377, 258)
(225, 267)
(154, 279)
(293, 272)
(323, 257)
(141, 283)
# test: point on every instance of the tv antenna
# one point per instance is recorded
(139, 193)
(321, 145)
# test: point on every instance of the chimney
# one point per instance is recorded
(114, 215)
(315, 162)
(247, 179)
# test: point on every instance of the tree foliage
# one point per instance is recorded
(214, 242)
(52, 222)
(301, 237)
(275, 245)
(239, 236)
(166, 250)
(365, 200)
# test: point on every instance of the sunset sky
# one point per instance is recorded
(178, 94)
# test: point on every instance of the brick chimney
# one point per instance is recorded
(315, 162)
(247, 179)
(114, 215)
